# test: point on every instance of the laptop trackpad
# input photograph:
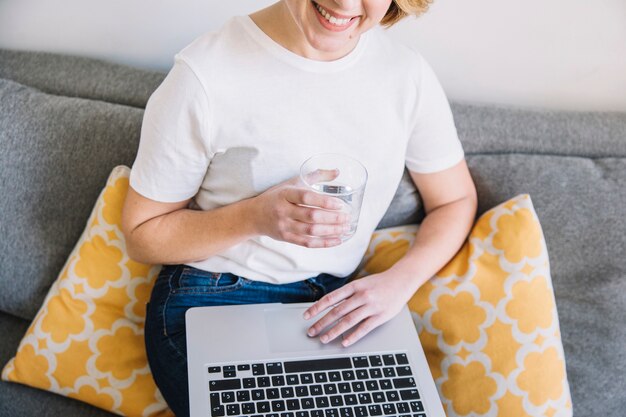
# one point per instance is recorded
(286, 331)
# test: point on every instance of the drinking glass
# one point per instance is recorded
(338, 176)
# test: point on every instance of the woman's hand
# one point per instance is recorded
(361, 305)
(292, 213)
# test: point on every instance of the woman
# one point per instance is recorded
(214, 194)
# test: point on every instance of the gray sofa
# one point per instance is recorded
(66, 121)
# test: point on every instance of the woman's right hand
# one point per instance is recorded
(292, 213)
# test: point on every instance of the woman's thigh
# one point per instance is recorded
(179, 288)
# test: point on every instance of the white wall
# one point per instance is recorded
(564, 54)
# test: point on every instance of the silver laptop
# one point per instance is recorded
(257, 360)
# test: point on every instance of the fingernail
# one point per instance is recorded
(345, 343)
(306, 315)
(324, 339)
(311, 332)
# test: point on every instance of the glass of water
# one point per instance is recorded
(338, 176)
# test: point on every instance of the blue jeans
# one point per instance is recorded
(180, 287)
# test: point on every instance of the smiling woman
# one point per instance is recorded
(295, 79)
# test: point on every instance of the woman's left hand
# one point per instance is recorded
(365, 303)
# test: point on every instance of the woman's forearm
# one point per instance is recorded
(439, 237)
(187, 235)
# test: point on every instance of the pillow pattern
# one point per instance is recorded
(86, 341)
(488, 321)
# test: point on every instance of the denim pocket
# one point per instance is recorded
(193, 280)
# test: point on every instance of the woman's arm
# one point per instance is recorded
(449, 198)
(169, 233)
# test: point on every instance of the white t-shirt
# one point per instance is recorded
(238, 113)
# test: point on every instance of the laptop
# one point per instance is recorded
(257, 360)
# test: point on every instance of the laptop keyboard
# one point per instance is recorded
(348, 386)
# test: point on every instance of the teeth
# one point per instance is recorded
(333, 20)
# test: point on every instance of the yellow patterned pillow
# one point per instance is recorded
(86, 341)
(488, 320)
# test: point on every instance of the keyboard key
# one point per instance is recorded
(320, 377)
(228, 397)
(229, 368)
(334, 376)
(344, 387)
(232, 409)
(389, 409)
(247, 408)
(317, 365)
(272, 393)
(287, 392)
(348, 375)
(263, 381)
(258, 394)
(307, 403)
(409, 394)
(376, 373)
(375, 410)
(360, 411)
(258, 369)
(316, 390)
(376, 361)
(274, 368)
(389, 360)
(293, 380)
(293, 404)
(249, 383)
(336, 400)
(401, 359)
(278, 381)
(350, 399)
(302, 414)
(390, 372)
(287, 414)
(230, 374)
(371, 385)
(263, 407)
(214, 369)
(243, 396)
(317, 413)
(302, 391)
(404, 383)
(330, 389)
(215, 399)
(360, 362)
(385, 384)
(243, 367)
(403, 407)
(321, 402)
(346, 412)
(404, 370)
(416, 406)
(378, 397)
(365, 398)
(392, 396)
(224, 385)
(306, 378)
(278, 406)
(331, 412)
(358, 386)
(218, 411)
(362, 374)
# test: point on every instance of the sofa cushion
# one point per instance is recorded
(55, 155)
(20, 400)
(86, 342)
(75, 76)
(488, 321)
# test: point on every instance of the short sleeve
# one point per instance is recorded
(433, 144)
(174, 149)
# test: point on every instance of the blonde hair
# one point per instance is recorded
(399, 9)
